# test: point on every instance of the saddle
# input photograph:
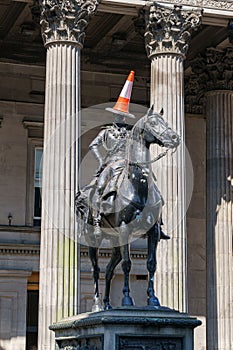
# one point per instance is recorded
(119, 183)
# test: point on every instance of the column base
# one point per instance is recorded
(127, 328)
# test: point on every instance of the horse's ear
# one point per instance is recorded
(150, 111)
(161, 112)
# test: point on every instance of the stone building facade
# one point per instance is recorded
(52, 91)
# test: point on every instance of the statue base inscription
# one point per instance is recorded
(127, 328)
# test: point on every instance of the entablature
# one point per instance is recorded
(215, 12)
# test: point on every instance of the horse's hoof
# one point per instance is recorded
(97, 305)
(153, 301)
(127, 301)
(96, 308)
(107, 306)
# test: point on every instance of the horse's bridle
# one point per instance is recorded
(161, 155)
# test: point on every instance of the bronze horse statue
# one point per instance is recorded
(136, 208)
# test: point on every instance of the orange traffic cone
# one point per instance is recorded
(122, 105)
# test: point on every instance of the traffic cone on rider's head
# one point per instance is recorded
(122, 105)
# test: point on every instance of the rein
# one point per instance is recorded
(161, 155)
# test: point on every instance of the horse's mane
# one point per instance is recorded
(135, 135)
(137, 129)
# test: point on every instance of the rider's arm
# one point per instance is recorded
(94, 147)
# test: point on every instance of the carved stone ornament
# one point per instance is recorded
(150, 343)
(82, 344)
(214, 4)
(215, 69)
(169, 30)
(139, 23)
(65, 20)
(194, 94)
(212, 71)
(35, 12)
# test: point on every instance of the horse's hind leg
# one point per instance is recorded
(93, 254)
(115, 259)
(153, 235)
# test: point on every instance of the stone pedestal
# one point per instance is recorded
(127, 328)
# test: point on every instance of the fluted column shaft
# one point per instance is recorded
(215, 80)
(63, 25)
(167, 93)
(219, 112)
(58, 260)
(167, 35)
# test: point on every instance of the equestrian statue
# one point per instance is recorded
(123, 200)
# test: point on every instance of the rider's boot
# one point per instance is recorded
(162, 234)
(96, 215)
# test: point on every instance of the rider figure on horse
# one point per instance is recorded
(113, 139)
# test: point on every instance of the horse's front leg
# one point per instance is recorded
(93, 254)
(115, 259)
(153, 238)
(126, 263)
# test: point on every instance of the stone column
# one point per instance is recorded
(63, 30)
(219, 112)
(167, 36)
(219, 219)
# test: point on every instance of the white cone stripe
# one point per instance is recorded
(127, 89)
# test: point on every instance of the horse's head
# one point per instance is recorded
(158, 131)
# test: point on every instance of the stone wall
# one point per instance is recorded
(17, 103)
(19, 245)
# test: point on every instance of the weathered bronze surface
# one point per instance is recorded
(124, 201)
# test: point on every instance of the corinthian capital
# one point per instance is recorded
(210, 72)
(214, 69)
(168, 30)
(65, 20)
